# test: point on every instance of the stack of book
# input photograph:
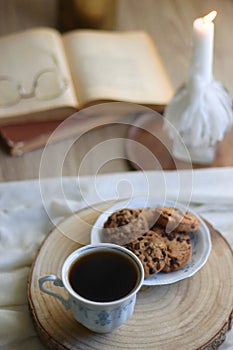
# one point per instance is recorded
(46, 77)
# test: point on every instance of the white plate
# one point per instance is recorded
(201, 241)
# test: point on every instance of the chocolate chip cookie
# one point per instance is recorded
(174, 219)
(151, 250)
(151, 215)
(123, 226)
(179, 248)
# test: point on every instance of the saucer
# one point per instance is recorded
(200, 240)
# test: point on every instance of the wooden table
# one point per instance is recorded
(169, 22)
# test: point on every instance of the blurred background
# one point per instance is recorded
(162, 19)
(169, 23)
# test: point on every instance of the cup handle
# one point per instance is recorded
(56, 282)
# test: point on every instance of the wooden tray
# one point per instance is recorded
(191, 314)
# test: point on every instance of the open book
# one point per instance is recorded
(47, 76)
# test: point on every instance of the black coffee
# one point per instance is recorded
(103, 276)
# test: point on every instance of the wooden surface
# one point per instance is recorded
(169, 22)
(193, 314)
(149, 147)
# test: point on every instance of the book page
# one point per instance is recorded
(121, 66)
(34, 75)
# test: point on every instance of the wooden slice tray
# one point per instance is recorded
(191, 314)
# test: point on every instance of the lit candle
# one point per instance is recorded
(201, 111)
(203, 38)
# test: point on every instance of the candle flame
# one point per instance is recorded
(210, 17)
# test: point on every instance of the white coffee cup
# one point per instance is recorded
(99, 316)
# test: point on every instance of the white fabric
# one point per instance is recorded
(24, 222)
